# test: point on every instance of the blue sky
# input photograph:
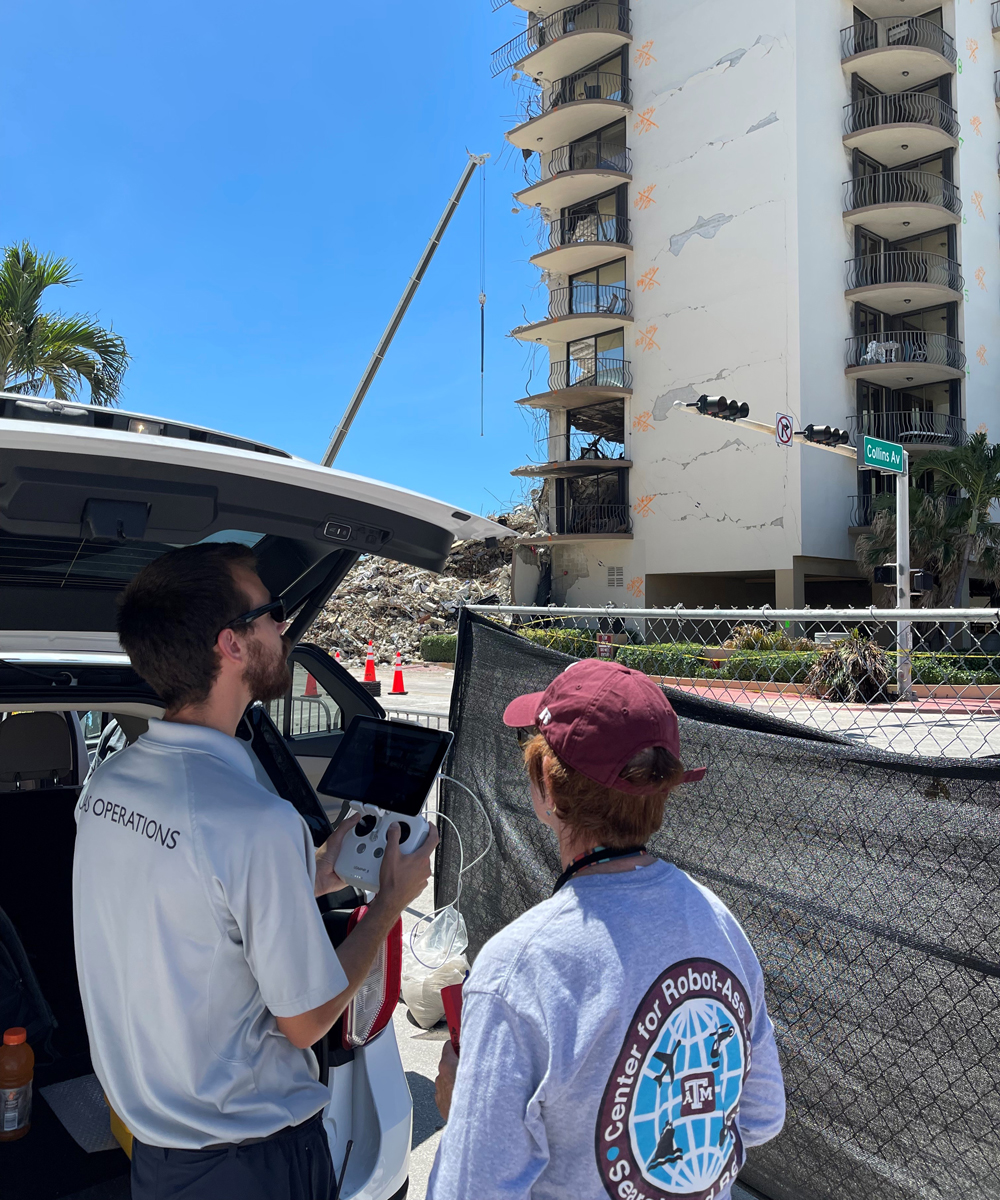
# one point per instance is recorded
(245, 189)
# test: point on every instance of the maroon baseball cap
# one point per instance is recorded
(597, 716)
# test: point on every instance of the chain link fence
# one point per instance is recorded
(918, 681)
(856, 840)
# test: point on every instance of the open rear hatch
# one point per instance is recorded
(87, 498)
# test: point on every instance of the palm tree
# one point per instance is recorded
(975, 469)
(947, 532)
(937, 533)
(46, 349)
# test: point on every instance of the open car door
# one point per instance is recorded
(320, 704)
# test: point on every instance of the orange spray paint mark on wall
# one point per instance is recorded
(645, 197)
(645, 339)
(643, 422)
(981, 355)
(647, 280)
(643, 57)
(644, 121)
(972, 47)
(981, 277)
(977, 203)
(643, 506)
(635, 585)
(977, 125)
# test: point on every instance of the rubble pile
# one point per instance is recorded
(396, 605)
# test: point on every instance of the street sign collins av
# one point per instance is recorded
(877, 455)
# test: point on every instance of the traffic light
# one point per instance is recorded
(719, 406)
(823, 435)
(920, 581)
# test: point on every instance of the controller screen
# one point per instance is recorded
(385, 763)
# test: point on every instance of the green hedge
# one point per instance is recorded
(581, 643)
(787, 666)
(439, 647)
(679, 659)
(957, 669)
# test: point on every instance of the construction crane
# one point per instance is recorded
(342, 430)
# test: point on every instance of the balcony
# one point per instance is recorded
(902, 279)
(912, 428)
(586, 240)
(996, 18)
(897, 204)
(578, 311)
(896, 359)
(571, 108)
(863, 509)
(894, 52)
(571, 468)
(901, 127)
(574, 172)
(582, 384)
(566, 40)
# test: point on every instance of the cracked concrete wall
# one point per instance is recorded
(979, 246)
(718, 249)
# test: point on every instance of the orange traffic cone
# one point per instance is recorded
(311, 689)
(397, 678)
(370, 664)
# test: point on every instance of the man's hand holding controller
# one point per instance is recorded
(402, 877)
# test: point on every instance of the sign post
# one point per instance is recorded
(889, 458)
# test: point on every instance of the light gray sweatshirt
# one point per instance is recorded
(615, 1041)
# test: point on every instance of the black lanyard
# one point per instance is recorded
(595, 856)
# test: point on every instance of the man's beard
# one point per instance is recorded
(267, 677)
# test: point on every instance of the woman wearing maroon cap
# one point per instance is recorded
(615, 1039)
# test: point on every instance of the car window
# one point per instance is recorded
(313, 709)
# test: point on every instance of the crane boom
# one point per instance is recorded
(342, 430)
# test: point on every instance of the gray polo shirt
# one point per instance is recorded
(196, 926)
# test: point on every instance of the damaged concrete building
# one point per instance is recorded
(686, 165)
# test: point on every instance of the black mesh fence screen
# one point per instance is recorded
(869, 885)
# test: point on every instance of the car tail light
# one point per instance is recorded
(371, 1009)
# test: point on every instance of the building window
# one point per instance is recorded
(616, 577)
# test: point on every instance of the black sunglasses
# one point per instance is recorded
(524, 734)
(276, 608)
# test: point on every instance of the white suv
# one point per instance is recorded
(87, 497)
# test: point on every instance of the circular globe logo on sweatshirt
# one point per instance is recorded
(667, 1124)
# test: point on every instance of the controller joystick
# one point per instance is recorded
(365, 825)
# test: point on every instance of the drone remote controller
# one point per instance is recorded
(360, 859)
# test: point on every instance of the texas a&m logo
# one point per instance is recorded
(667, 1125)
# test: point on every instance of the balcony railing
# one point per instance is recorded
(863, 507)
(996, 14)
(909, 346)
(589, 228)
(597, 370)
(904, 266)
(604, 15)
(911, 427)
(996, 84)
(595, 518)
(590, 155)
(883, 33)
(586, 85)
(901, 108)
(590, 299)
(498, 4)
(902, 187)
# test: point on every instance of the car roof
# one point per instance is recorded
(84, 507)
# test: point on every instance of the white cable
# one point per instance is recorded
(462, 868)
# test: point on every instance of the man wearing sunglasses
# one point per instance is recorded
(204, 965)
